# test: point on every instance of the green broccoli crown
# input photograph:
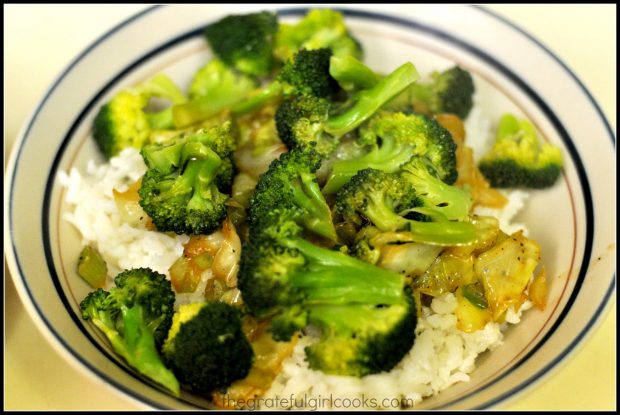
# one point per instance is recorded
(96, 305)
(152, 292)
(300, 121)
(359, 340)
(297, 283)
(320, 28)
(214, 88)
(123, 122)
(179, 191)
(454, 203)
(452, 92)
(308, 74)
(519, 159)
(376, 196)
(309, 119)
(135, 316)
(282, 272)
(288, 190)
(390, 203)
(393, 138)
(207, 349)
(425, 136)
(245, 42)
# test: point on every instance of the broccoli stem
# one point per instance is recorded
(351, 73)
(444, 232)
(139, 349)
(161, 120)
(161, 86)
(200, 173)
(331, 277)
(264, 95)
(367, 102)
(201, 108)
(387, 158)
(307, 195)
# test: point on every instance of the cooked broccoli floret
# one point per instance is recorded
(214, 88)
(362, 339)
(307, 73)
(206, 347)
(450, 91)
(305, 120)
(384, 199)
(180, 191)
(289, 191)
(454, 203)
(365, 315)
(123, 121)
(245, 42)
(300, 122)
(320, 28)
(393, 139)
(519, 159)
(135, 316)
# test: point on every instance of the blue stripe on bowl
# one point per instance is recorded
(295, 12)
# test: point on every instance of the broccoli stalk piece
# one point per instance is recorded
(450, 91)
(135, 316)
(206, 347)
(384, 199)
(518, 158)
(310, 121)
(352, 74)
(180, 190)
(393, 139)
(366, 316)
(367, 102)
(214, 88)
(320, 28)
(289, 191)
(245, 42)
(124, 122)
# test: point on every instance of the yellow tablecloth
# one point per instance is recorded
(38, 378)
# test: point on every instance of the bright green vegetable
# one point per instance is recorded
(91, 267)
(518, 159)
(206, 347)
(135, 316)
(245, 42)
(123, 121)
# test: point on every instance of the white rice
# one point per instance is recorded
(442, 354)
(95, 215)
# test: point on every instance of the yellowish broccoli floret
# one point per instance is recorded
(518, 159)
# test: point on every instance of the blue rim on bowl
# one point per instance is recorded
(407, 23)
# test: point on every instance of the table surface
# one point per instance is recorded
(37, 377)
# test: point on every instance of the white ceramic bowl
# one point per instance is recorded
(574, 221)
